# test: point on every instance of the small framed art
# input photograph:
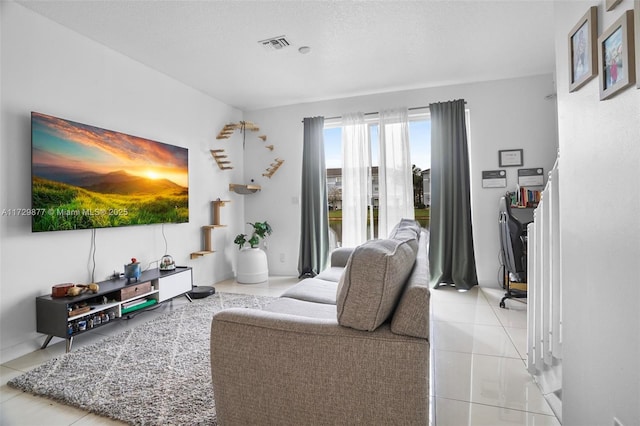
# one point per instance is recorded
(494, 178)
(616, 57)
(583, 55)
(510, 157)
(531, 177)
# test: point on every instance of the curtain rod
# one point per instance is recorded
(374, 113)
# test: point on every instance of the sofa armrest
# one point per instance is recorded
(340, 256)
(285, 369)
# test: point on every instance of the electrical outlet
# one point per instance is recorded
(617, 422)
(282, 257)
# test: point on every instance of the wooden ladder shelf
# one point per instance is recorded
(206, 229)
(221, 159)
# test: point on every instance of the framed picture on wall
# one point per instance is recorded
(510, 157)
(583, 56)
(616, 54)
(494, 179)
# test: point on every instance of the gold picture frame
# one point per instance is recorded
(616, 57)
(583, 55)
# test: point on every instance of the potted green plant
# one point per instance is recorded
(260, 230)
(252, 266)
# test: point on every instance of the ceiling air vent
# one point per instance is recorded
(275, 43)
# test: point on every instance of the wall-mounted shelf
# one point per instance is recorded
(273, 168)
(244, 189)
(228, 129)
(221, 159)
(206, 229)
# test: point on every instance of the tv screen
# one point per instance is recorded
(85, 177)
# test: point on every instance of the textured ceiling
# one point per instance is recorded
(357, 47)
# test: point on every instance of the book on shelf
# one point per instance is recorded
(144, 304)
(133, 303)
(524, 197)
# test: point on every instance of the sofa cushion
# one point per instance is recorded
(314, 290)
(411, 317)
(286, 305)
(406, 229)
(340, 256)
(332, 273)
(373, 281)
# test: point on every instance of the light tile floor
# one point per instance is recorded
(478, 361)
(478, 368)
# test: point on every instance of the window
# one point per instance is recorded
(420, 147)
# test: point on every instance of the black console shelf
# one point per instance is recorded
(54, 316)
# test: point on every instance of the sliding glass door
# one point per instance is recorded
(420, 152)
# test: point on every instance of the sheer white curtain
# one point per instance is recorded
(395, 179)
(355, 179)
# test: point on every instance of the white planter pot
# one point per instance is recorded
(252, 266)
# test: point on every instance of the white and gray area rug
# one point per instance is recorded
(157, 373)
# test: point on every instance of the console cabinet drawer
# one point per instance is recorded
(134, 290)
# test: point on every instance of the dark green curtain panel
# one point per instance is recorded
(314, 232)
(451, 255)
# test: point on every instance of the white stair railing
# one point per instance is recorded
(544, 313)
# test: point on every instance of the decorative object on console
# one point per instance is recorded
(167, 263)
(132, 271)
(583, 55)
(77, 289)
(60, 290)
(616, 57)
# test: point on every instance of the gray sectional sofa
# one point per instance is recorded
(349, 346)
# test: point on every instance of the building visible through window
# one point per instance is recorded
(420, 145)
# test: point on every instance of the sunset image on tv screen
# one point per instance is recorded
(86, 177)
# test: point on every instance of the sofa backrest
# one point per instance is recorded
(373, 281)
(411, 317)
(406, 229)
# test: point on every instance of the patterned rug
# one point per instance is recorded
(157, 373)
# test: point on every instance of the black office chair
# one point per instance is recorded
(513, 253)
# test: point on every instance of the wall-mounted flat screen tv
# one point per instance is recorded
(85, 177)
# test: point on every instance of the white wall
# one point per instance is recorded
(600, 237)
(49, 69)
(503, 114)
